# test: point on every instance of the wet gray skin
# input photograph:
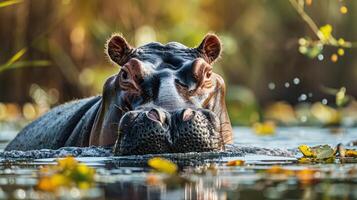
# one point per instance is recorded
(165, 99)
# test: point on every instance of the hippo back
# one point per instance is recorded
(66, 125)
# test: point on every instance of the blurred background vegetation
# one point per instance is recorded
(275, 65)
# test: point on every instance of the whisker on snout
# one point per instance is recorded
(120, 108)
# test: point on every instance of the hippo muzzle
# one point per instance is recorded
(157, 131)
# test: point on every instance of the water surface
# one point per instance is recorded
(208, 176)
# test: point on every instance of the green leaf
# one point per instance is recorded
(13, 59)
(21, 64)
(16, 57)
(324, 152)
(9, 3)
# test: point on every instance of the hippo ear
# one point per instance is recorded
(118, 49)
(210, 48)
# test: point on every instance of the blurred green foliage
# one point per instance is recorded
(262, 40)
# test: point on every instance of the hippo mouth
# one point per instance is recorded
(156, 131)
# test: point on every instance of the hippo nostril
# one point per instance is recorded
(155, 115)
(187, 114)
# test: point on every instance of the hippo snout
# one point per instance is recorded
(154, 131)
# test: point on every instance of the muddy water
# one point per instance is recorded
(203, 175)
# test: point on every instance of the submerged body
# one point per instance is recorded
(164, 99)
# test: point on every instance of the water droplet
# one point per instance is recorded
(303, 118)
(287, 84)
(320, 57)
(324, 101)
(296, 81)
(20, 194)
(302, 97)
(271, 86)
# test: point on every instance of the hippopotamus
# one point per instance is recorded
(164, 99)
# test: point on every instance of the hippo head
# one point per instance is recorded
(165, 98)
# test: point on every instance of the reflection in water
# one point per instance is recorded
(129, 178)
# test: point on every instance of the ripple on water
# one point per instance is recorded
(127, 176)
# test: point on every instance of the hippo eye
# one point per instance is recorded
(124, 75)
(209, 74)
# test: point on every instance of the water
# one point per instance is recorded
(205, 175)
(292, 137)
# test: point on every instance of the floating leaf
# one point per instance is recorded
(67, 164)
(306, 151)
(306, 160)
(317, 154)
(67, 173)
(351, 153)
(310, 160)
(323, 152)
(163, 165)
(235, 163)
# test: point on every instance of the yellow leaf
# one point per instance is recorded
(84, 169)
(306, 160)
(325, 32)
(306, 151)
(350, 153)
(67, 173)
(235, 163)
(84, 185)
(163, 165)
(67, 163)
(59, 180)
(45, 184)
